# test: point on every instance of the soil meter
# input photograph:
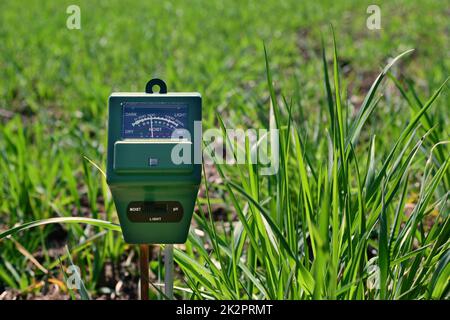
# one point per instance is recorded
(153, 190)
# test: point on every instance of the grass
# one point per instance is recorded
(304, 236)
(358, 210)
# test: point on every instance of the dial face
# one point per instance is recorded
(142, 120)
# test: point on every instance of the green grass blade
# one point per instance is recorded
(94, 222)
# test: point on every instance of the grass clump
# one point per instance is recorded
(333, 222)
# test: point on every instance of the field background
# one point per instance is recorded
(54, 85)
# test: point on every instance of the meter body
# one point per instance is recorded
(153, 167)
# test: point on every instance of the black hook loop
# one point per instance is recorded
(156, 82)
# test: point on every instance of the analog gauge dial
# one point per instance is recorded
(152, 121)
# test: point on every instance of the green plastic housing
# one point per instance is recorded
(161, 183)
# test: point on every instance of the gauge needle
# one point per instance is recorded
(151, 125)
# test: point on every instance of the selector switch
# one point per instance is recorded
(154, 211)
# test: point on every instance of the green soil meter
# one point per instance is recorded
(154, 162)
